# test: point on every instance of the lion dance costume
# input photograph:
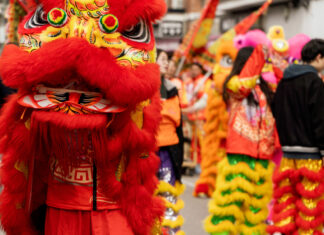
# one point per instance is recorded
(222, 53)
(244, 185)
(78, 139)
(215, 127)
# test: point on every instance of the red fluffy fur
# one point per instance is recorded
(306, 225)
(297, 188)
(64, 59)
(134, 192)
(287, 229)
(56, 63)
(310, 212)
(278, 207)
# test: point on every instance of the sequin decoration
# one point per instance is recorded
(87, 9)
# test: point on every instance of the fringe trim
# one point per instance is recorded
(165, 187)
(225, 211)
(255, 175)
(316, 193)
(284, 215)
(238, 196)
(203, 188)
(257, 218)
(175, 207)
(288, 174)
(280, 191)
(311, 175)
(173, 224)
(282, 206)
(258, 229)
(262, 190)
(224, 226)
(287, 229)
(307, 225)
(311, 212)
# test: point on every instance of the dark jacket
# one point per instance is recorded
(298, 108)
(4, 92)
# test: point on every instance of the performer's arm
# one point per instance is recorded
(242, 85)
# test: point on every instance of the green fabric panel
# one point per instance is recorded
(218, 219)
(254, 210)
(234, 159)
(221, 233)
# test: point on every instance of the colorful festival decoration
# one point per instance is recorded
(57, 17)
(108, 23)
(244, 180)
(219, 57)
(74, 140)
(198, 35)
(207, 57)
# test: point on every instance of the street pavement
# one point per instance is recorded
(195, 210)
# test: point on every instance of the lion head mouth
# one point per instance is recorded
(71, 68)
(73, 98)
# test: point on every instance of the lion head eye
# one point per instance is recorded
(226, 61)
(38, 19)
(138, 33)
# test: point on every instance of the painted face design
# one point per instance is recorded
(92, 21)
(77, 48)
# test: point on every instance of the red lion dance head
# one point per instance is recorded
(87, 101)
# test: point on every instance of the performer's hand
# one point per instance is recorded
(188, 110)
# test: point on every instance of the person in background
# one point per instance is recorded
(197, 95)
(244, 179)
(170, 75)
(170, 143)
(299, 111)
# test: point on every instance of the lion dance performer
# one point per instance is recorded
(244, 185)
(222, 52)
(170, 142)
(78, 139)
(213, 149)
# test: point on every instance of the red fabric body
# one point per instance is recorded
(30, 138)
(251, 126)
(254, 135)
(102, 222)
(75, 192)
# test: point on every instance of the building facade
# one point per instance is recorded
(307, 14)
(3, 7)
(171, 29)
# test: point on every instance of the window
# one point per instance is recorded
(177, 4)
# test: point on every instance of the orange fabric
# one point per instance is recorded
(171, 117)
(104, 222)
(180, 85)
